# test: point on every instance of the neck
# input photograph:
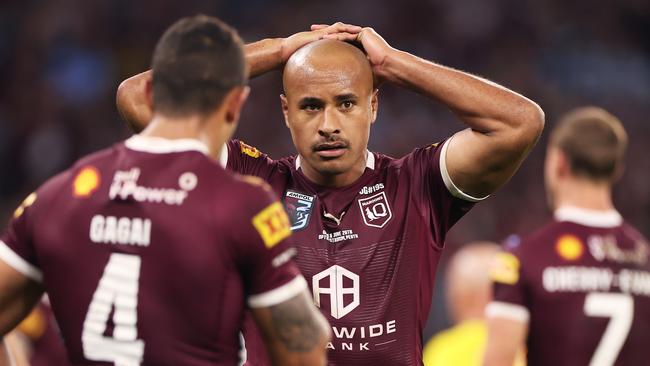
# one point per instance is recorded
(585, 194)
(192, 127)
(335, 180)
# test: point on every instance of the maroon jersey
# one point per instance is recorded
(149, 252)
(369, 251)
(582, 283)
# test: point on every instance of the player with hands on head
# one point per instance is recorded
(369, 229)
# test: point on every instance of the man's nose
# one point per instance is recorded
(331, 122)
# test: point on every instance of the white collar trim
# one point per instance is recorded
(370, 160)
(586, 217)
(159, 145)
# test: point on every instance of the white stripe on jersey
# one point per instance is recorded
(19, 264)
(278, 295)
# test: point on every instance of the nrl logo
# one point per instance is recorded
(299, 207)
(375, 210)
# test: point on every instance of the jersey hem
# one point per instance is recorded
(278, 295)
(16, 262)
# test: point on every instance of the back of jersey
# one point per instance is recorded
(148, 252)
(584, 283)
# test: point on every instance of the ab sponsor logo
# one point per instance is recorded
(343, 288)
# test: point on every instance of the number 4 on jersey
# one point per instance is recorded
(118, 292)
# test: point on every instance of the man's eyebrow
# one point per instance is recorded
(343, 97)
(310, 100)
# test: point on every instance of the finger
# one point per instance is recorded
(341, 36)
(318, 26)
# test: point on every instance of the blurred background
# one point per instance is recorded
(62, 60)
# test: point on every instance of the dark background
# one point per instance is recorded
(61, 62)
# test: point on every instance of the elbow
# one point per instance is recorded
(527, 127)
(532, 125)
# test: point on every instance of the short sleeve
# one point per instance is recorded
(263, 252)
(16, 243)
(510, 298)
(245, 159)
(433, 187)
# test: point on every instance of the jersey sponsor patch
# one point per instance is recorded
(249, 150)
(86, 182)
(375, 210)
(28, 201)
(505, 269)
(272, 224)
(299, 207)
(569, 247)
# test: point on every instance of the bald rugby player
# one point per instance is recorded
(369, 229)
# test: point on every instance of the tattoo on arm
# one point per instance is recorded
(296, 325)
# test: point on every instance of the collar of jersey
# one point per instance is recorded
(370, 160)
(159, 145)
(586, 217)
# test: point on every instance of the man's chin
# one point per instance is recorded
(331, 166)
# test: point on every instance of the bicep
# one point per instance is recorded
(478, 163)
(506, 337)
(294, 331)
(18, 295)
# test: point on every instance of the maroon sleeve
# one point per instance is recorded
(16, 243)
(245, 159)
(510, 288)
(445, 203)
(263, 252)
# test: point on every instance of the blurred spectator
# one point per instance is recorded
(468, 291)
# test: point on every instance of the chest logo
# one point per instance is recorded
(299, 208)
(375, 210)
(341, 285)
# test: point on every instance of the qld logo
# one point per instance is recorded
(375, 210)
(299, 207)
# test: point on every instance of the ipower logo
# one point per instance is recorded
(342, 287)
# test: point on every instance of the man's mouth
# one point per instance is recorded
(330, 150)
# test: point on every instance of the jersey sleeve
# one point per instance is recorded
(242, 158)
(435, 190)
(510, 290)
(263, 252)
(17, 244)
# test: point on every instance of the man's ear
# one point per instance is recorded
(148, 91)
(563, 166)
(235, 100)
(374, 105)
(285, 109)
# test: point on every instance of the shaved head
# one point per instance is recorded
(327, 59)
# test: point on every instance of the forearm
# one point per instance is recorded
(4, 354)
(481, 104)
(263, 56)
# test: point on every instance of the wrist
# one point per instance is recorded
(389, 68)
